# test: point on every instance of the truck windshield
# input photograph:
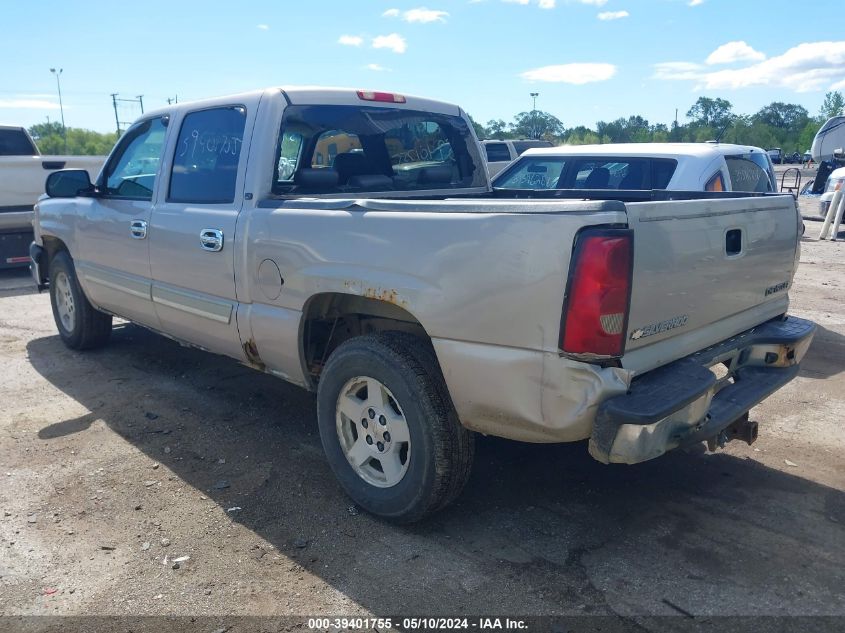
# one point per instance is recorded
(348, 149)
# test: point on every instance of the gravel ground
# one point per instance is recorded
(116, 465)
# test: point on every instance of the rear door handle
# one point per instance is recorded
(211, 240)
(138, 229)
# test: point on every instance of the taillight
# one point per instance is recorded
(387, 97)
(716, 183)
(595, 314)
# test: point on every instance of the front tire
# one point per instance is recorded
(81, 325)
(388, 427)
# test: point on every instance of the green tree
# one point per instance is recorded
(784, 116)
(537, 124)
(80, 142)
(833, 105)
(497, 128)
(714, 113)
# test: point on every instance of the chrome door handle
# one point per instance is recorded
(138, 229)
(211, 240)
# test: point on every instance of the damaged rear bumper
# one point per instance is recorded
(684, 402)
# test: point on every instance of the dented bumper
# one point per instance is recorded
(685, 402)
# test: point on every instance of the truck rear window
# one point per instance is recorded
(579, 172)
(16, 143)
(327, 149)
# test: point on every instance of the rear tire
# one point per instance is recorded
(388, 427)
(81, 325)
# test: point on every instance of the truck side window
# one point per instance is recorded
(15, 142)
(747, 175)
(131, 171)
(205, 163)
(497, 152)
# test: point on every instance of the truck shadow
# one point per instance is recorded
(539, 529)
(825, 356)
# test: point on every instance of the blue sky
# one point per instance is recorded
(589, 60)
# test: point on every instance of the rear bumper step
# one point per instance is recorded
(683, 403)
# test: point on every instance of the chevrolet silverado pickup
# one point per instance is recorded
(350, 242)
(23, 171)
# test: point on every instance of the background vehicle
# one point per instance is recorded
(643, 166)
(420, 305)
(776, 155)
(501, 152)
(829, 140)
(22, 174)
(835, 181)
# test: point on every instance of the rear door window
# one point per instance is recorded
(497, 152)
(205, 165)
(15, 143)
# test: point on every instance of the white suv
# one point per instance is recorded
(500, 153)
(642, 166)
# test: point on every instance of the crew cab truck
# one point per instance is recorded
(420, 308)
(23, 171)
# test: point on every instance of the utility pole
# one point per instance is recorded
(116, 118)
(534, 96)
(61, 106)
(175, 99)
(141, 101)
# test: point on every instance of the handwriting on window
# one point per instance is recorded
(203, 144)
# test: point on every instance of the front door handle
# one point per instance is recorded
(138, 229)
(211, 240)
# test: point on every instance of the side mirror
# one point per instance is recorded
(68, 183)
(839, 153)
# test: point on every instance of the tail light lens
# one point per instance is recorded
(595, 314)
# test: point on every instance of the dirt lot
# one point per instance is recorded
(113, 464)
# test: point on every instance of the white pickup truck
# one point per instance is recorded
(350, 242)
(23, 171)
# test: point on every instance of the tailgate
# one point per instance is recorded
(705, 270)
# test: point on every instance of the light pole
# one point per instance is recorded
(57, 73)
(534, 96)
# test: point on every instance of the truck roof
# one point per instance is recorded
(660, 150)
(317, 95)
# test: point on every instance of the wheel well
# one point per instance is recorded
(52, 245)
(329, 319)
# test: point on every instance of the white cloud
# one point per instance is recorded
(263, 27)
(523, 2)
(550, 4)
(40, 104)
(394, 42)
(421, 15)
(377, 68)
(350, 40)
(695, 3)
(593, 3)
(734, 52)
(577, 74)
(803, 68)
(546, 4)
(678, 71)
(612, 15)
(424, 16)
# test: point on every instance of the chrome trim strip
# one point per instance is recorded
(116, 281)
(216, 310)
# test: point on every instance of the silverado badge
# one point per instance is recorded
(658, 328)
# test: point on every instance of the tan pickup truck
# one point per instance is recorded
(385, 274)
(23, 171)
